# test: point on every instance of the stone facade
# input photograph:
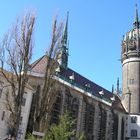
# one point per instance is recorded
(96, 113)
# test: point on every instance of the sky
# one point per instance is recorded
(95, 32)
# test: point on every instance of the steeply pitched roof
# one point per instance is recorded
(79, 80)
(39, 65)
(85, 83)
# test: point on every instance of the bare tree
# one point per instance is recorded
(15, 56)
(46, 95)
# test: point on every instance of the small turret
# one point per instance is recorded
(118, 89)
(112, 88)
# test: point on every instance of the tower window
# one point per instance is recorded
(134, 119)
(131, 81)
(133, 133)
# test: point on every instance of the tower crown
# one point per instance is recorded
(132, 35)
(131, 40)
(131, 68)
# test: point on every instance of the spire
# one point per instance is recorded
(118, 86)
(63, 56)
(65, 33)
(136, 21)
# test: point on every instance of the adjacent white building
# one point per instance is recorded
(133, 127)
(4, 113)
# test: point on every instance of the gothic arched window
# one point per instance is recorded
(115, 126)
(103, 118)
(56, 111)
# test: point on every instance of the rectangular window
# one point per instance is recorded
(0, 92)
(131, 81)
(3, 115)
(134, 119)
(23, 101)
(133, 133)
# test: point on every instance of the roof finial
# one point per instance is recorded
(112, 88)
(136, 21)
(118, 86)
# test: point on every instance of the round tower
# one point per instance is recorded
(130, 57)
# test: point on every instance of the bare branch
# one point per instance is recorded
(16, 54)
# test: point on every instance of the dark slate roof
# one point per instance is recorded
(82, 81)
(79, 80)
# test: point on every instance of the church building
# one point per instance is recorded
(99, 113)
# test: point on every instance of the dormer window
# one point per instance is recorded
(71, 77)
(101, 92)
(87, 86)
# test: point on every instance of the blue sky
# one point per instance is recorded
(96, 28)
